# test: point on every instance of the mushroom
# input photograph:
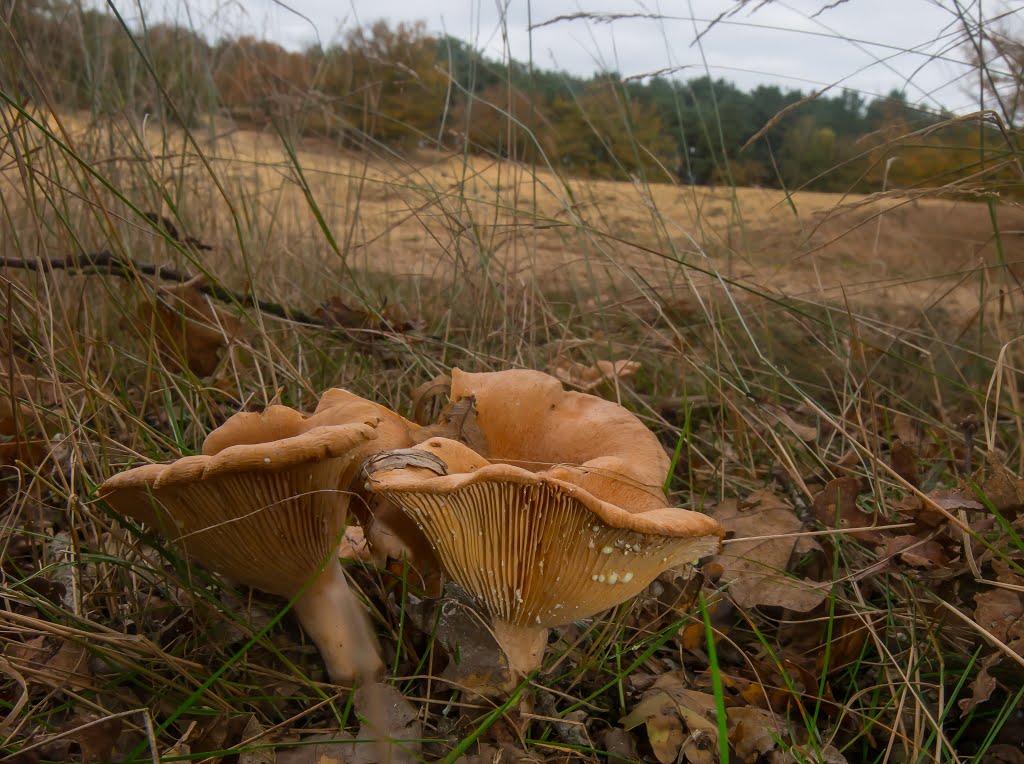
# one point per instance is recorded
(572, 523)
(266, 505)
(389, 533)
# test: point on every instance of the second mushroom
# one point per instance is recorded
(562, 518)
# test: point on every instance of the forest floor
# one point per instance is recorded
(836, 377)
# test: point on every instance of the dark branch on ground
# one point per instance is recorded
(107, 263)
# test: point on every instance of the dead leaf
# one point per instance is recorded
(1002, 489)
(187, 326)
(161, 221)
(475, 659)
(392, 738)
(1001, 612)
(659, 713)
(30, 397)
(391, 721)
(456, 422)
(217, 733)
(983, 686)
(96, 739)
(920, 510)
(756, 568)
(806, 433)
(589, 378)
(917, 552)
(317, 749)
(1006, 574)
(336, 312)
(955, 500)
(32, 453)
(903, 458)
(430, 398)
(619, 745)
(753, 732)
(52, 662)
(667, 709)
(505, 754)
(259, 752)
(803, 754)
(355, 547)
(836, 507)
(1004, 753)
(905, 429)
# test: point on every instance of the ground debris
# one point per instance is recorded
(760, 543)
(590, 378)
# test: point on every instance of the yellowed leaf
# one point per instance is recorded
(667, 709)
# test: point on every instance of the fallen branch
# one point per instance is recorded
(362, 328)
(106, 262)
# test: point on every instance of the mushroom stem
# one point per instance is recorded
(523, 646)
(338, 625)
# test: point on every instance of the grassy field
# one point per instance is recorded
(837, 376)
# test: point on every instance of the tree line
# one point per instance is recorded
(398, 84)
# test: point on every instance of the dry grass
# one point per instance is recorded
(864, 321)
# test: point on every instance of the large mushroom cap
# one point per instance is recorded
(338, 406)
(276, 496)
(537, 550)
(531, 421)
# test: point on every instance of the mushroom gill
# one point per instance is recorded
(537, 549)
(266, 505)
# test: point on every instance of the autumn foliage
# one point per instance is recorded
(400, 85)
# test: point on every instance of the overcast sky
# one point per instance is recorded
(868, 45)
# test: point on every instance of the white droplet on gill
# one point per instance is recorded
(627, 577)
(606, 550)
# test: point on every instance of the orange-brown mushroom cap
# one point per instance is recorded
(338, 406)
(268, 512)
(531, 421)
